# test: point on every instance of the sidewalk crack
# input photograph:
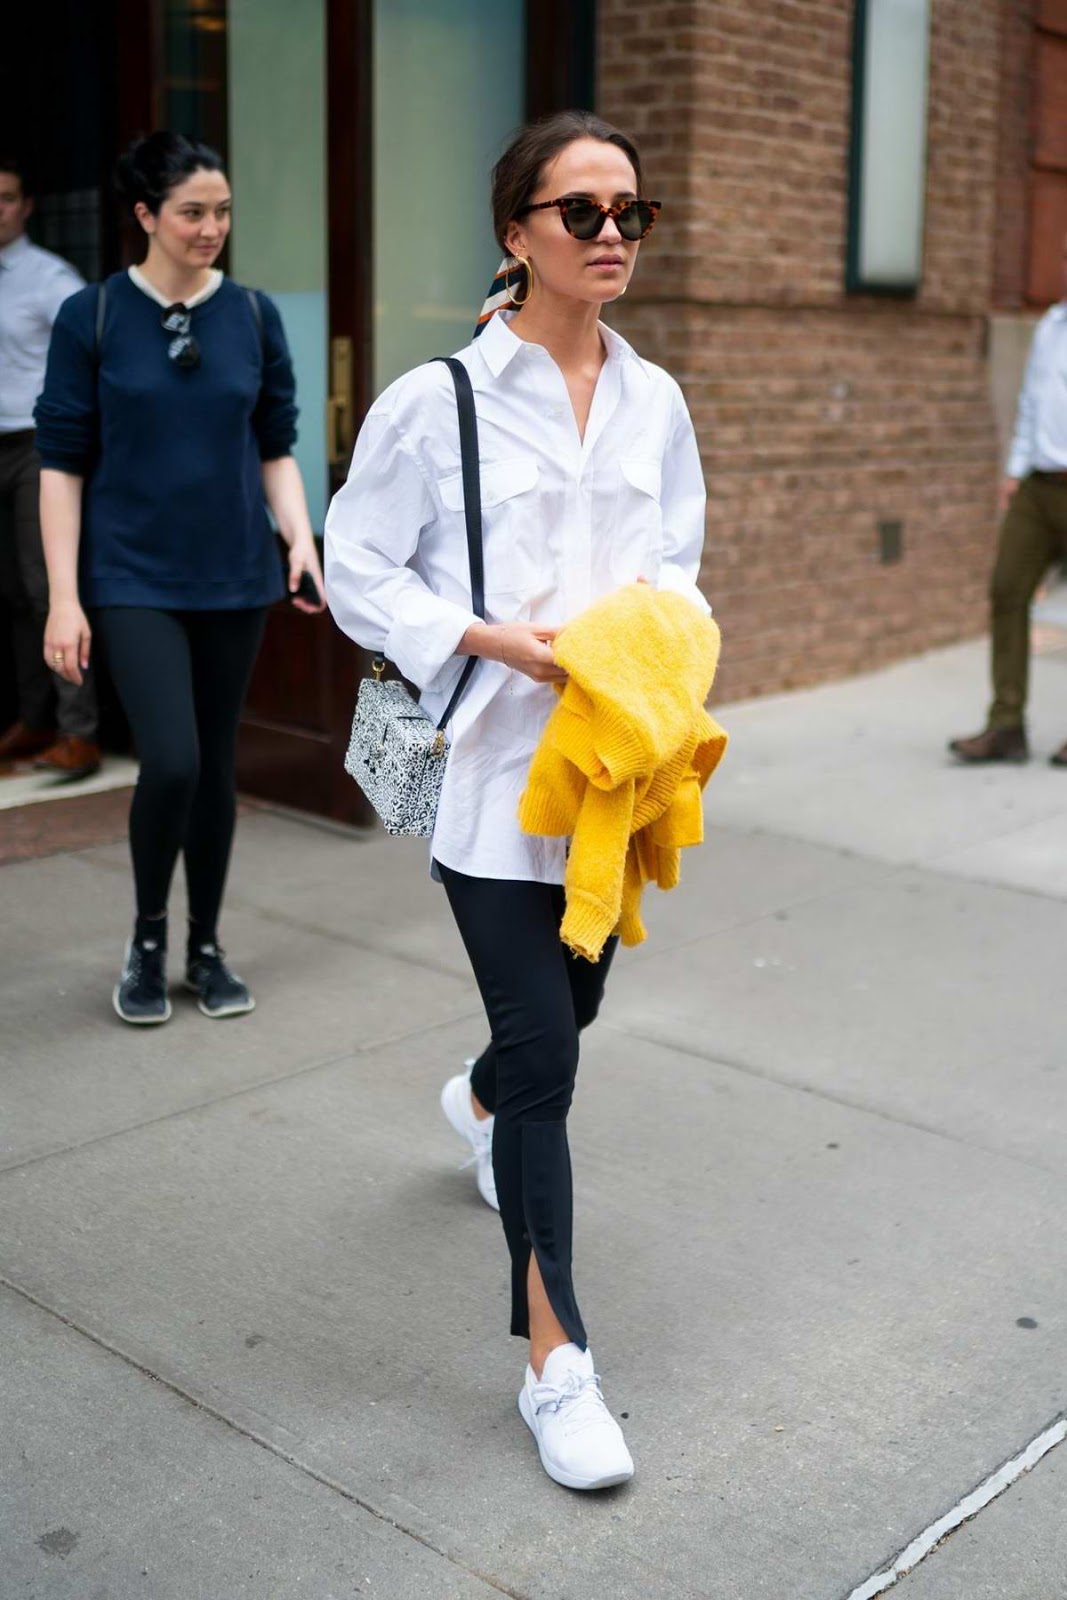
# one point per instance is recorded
(965, 1510)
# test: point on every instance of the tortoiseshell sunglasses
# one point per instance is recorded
(584, 219)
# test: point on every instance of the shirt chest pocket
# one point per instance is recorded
(637, 533)
(512, 540)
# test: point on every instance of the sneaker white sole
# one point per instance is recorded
(489, 1195)
(455, 1103)
(239, 1009)
(567, 1479)
(139, 1022)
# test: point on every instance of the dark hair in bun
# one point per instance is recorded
(155, 165)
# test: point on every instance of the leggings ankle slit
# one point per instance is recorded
(538, 998)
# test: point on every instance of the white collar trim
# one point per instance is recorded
(137, 277)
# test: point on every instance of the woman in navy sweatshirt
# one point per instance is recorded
(166, 422)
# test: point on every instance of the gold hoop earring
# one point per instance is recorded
(520, 261)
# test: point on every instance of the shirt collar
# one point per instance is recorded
(617, 347)
(499, 345)
(14, 251)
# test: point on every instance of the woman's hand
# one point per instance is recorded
(522, 646)
(304, 557)
(67, 641)
(284, 490)
(1005, 491)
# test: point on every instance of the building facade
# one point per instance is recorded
(822, 414)
(851, 439)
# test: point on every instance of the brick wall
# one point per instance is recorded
(1011, 252)
(819, 414)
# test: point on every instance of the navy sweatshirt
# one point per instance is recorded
(173, 514)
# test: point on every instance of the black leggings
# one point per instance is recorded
(538, 997)
(181, 677)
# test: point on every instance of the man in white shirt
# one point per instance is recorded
(1033, 534)
(56, 719)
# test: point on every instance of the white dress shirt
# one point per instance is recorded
(33, 285)
(564, 520)
(1040, 440)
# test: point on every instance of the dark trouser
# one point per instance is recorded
(181, 677)
(538, 997)
(45, 700)
(1033, 534)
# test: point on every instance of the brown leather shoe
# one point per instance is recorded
(1058, 757)
(70, 758)
(18, 743)
(995, 744)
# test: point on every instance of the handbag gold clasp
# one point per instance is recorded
(438, 746)
(377, 666)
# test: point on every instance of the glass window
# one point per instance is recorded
(448, 90)
(888, 188)
(194, 54)
(277, 167)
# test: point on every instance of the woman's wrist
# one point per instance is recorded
(482, 639)
(298, 539)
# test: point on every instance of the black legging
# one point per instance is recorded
(538, 997)
(181, 677)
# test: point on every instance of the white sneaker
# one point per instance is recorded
(457, 1107)
(579, 1442)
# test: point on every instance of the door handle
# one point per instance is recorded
(340, 406)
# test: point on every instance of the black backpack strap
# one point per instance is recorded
(257, 314)
(101, 312)
(472, 511)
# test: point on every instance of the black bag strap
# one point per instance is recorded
(472, 511)
(257, 317)
(101, 312)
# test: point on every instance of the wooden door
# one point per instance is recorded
(295, 729)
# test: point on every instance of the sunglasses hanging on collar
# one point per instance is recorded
(182, 348)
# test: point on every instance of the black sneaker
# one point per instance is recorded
(141, 993)
(219, 992)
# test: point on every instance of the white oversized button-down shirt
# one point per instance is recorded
(1040, 438)
(565, 520)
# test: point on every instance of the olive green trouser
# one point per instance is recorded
(1033, 534)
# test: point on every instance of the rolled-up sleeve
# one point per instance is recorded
(372, 533)
(683, 500)
(274, 418)
(66, 413)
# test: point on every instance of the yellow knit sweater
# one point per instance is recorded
(624, 756)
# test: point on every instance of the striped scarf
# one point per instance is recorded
(497, 298)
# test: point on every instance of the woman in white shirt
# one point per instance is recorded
(590, 480)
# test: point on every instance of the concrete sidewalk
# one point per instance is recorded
(253, 1318)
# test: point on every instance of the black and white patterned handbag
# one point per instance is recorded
(396, 754)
